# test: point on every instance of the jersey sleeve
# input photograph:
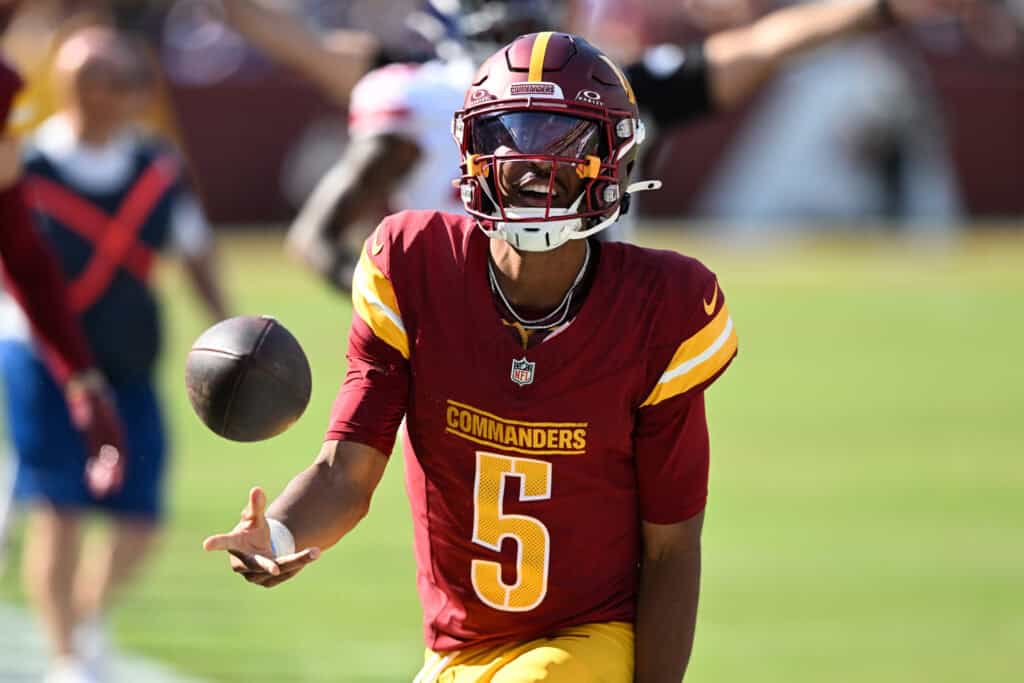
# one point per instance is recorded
(671, 83)
(34, 278)
(372, 400)
(30, 270)
(374, 299)
(672, 456)
(696, 342)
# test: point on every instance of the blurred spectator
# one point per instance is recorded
(32, 275)
(107, 198)
(39, 28)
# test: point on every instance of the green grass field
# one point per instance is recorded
(866, 521)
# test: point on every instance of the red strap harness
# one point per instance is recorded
(115, 238)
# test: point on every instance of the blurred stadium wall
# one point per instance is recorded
(257, 135)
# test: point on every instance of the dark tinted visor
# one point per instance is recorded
(536, 132)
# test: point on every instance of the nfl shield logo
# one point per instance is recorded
(522, 371)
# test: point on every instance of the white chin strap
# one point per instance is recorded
(545, 235)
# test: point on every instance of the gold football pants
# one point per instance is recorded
(592, 653)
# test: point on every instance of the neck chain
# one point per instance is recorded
(555, 317)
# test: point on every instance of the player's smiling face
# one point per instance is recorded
(528, 182)
(513, 137)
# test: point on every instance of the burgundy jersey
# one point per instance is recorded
(529, 471)
(30, 270)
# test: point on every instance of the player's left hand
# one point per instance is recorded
(253, 568)
(252, 556)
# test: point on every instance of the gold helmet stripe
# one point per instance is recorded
(540, 48)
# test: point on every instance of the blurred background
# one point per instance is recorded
(865, 214)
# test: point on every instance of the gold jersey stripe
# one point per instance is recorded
(540, 48)
(697, 359)
(373, 299)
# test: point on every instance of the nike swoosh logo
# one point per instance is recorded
(377, 246)
(709, 306)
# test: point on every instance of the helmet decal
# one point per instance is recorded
(589, 96)
(536, 89)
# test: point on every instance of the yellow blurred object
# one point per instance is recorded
(28, 43)
(33, 105)
(31, 43)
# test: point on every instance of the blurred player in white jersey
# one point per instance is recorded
(401, 152)
(400, 156)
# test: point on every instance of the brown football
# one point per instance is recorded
(248, 378)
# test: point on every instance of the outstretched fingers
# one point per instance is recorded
(298, 560)
(290, 566)
(253, 563)
(250, 549)
(232, 540)
(252, 518)
(255, 568)
(256, 507)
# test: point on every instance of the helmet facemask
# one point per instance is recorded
(538, 174)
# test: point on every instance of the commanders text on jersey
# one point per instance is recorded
(531, 438)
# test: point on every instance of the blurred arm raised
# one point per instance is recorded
(333, 62)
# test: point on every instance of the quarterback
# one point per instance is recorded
(552, 387)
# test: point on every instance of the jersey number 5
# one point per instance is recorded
(491, 526)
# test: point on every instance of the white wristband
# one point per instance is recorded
(281, 540)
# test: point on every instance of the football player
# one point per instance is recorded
(554, 432)
(397, 155)
(107, 200)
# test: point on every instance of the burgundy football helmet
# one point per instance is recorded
(548, 135)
